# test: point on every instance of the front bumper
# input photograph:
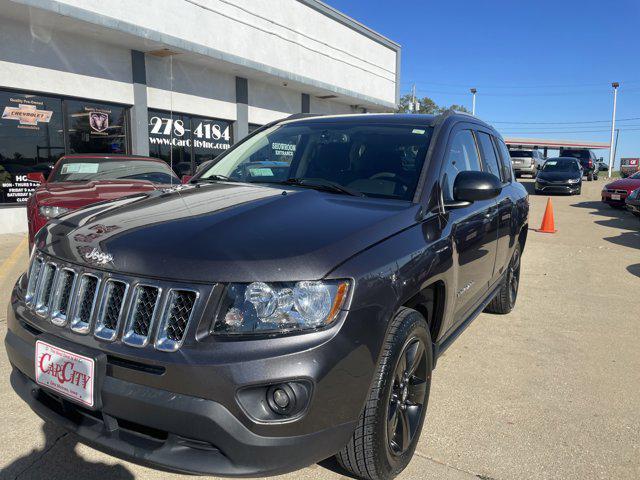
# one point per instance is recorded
(606, 198)
(199, 426)
(633, 206)
(557, 188)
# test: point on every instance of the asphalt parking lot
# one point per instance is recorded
(549, 391)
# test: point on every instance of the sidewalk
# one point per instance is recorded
(14, 254)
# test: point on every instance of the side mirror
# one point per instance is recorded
(186, 178)
(474, 186)
(36, 177)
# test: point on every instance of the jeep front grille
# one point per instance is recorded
(111, 306)
(85, 303)
(45, 285)
(176, 317)
(62, 296)
(143, 311)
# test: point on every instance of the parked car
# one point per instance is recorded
(633, 202)
(587, 160)
(526, 162)
(615, 193)
(602, 165)
(559, 175)
(629, 166)
(80, 180)
(246, 326)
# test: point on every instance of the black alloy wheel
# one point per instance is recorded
(408, 395)
(513, 277)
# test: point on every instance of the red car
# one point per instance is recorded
(615, 193)
(80, 180)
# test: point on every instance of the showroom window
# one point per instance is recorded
(36, 130)
(186, 141)
(31, 140)
(96, 127)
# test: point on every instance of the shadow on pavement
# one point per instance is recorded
(63, 463)
(618, 218)
(634, 269)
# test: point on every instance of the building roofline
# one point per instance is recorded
(346, 20)
(66, 10)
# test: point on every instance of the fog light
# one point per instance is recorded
(281, 399)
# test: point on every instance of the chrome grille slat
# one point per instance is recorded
(88, 288)
(34, 275)
(142, 313)
(44, 288)
(111, 309)
(175, 319)
(62, 296)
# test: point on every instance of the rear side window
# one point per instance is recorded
(462, 155)
(507, 173)
(489, 157)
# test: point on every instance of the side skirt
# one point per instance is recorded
(440, 347)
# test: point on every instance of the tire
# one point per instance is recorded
(590, 177)
(370, 454)
(505, 299)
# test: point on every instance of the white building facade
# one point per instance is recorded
(176, 79)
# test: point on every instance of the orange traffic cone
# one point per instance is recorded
(547, 221)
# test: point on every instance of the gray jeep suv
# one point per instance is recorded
(286, 305)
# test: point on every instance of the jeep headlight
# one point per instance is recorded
(573, 180)
(49, 211)
(541, 180)
(264, 308)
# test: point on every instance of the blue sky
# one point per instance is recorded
(531, 61)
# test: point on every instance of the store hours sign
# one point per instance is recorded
(189, 132)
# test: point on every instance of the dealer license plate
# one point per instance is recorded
(615, 197)
(67, 373)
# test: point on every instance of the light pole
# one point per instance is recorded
(473, 104)
(612, 152)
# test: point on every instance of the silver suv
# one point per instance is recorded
(526, 162)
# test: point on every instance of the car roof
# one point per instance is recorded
(418, 119)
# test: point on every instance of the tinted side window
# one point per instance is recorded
(462, 155)
(507, 174)
(489, 158)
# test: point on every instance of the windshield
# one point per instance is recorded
(95, 169)
(371, 159)
(560, 165)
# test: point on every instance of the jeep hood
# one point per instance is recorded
(225, 232)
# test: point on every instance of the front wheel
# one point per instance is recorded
(390, 424)
(505, 299)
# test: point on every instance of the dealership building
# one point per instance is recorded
(180, 80)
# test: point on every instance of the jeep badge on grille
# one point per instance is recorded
(98, 257)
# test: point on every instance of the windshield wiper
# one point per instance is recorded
(322, 184)
(214, 178)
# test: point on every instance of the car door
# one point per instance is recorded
(492, 163)
(473, 227)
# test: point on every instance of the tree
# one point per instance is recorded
(426, 106)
